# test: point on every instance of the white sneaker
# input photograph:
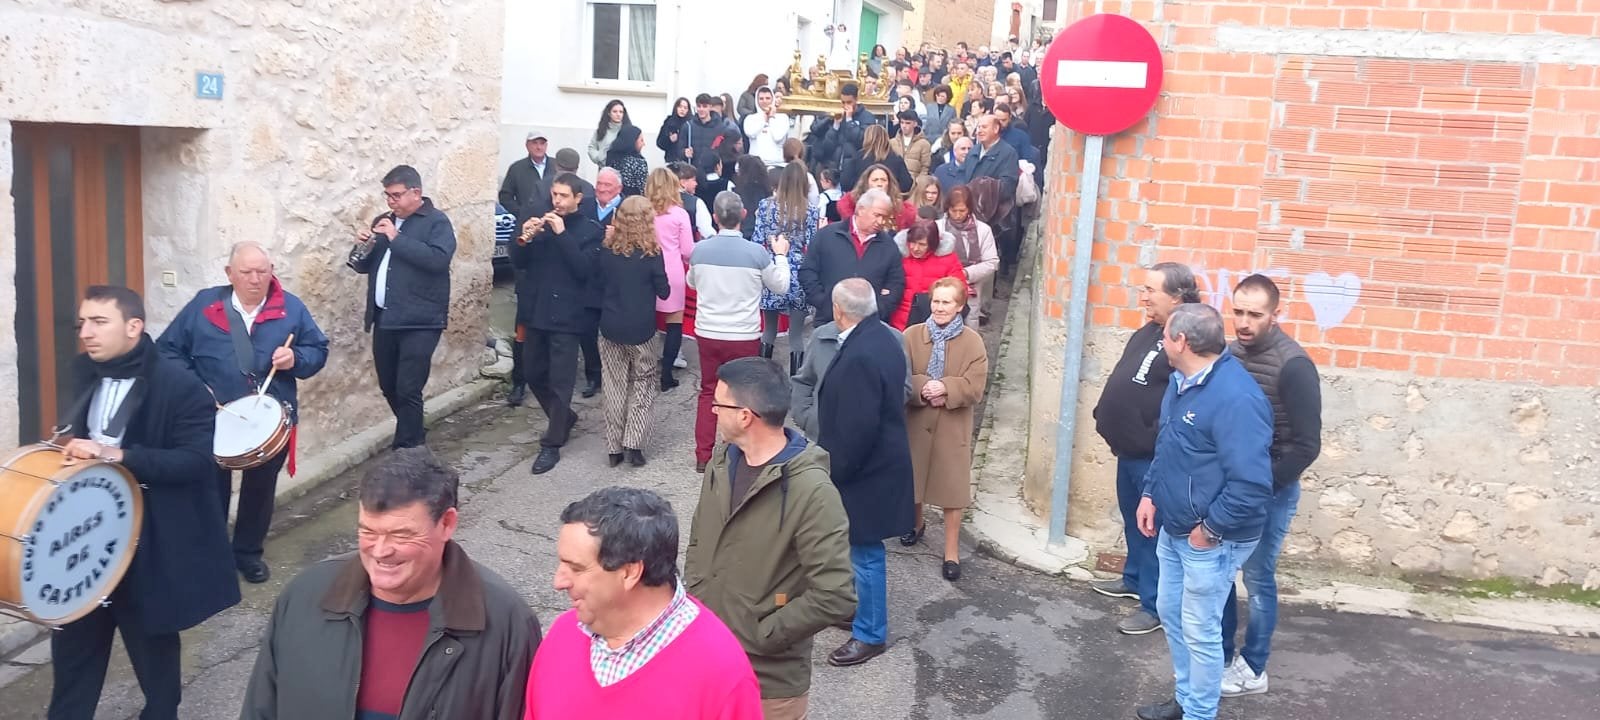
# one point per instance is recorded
(1239, 680)
(679, 362)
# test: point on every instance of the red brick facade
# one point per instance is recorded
(1439, 217)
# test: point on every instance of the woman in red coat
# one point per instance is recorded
(878, 177)
(929, 255)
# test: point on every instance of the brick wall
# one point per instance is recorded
(947, 22)
(1423, 183)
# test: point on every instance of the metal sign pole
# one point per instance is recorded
(1077, 322)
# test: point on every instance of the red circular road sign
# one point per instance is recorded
(1101, 74)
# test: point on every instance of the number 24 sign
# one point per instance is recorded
(208, 85)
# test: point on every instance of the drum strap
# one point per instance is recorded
(243, 351)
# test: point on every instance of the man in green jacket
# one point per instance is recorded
(769, 549)
(407, 628)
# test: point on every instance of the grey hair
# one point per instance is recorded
(962, 139)
(608, 171)
(633, 525)
(874, 197)
(855, 299)
(728, 210)
(1200, 324)
(410, 475)
(233, 252)
(1177, 281)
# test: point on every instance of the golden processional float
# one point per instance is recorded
(821, 98)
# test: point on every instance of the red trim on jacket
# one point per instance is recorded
(273, 308)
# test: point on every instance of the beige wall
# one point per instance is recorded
(946, 22)
(321, 97)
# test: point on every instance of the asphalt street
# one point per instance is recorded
(1001, 643)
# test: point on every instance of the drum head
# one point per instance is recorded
(79, 543)
(245, 425)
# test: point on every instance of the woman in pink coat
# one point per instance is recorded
(676, 237)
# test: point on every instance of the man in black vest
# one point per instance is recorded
(1127, 417)
(155, 418)
(1289, 379)
(408, 295)
(559, 254)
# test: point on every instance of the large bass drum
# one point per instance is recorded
(67, 533)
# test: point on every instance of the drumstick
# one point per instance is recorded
(222, 407)
(268, 383)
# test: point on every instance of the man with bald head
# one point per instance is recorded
(232, 337)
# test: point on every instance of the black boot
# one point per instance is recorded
(796, 359)
(766, 350)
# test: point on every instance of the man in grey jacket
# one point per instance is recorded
(407, 628)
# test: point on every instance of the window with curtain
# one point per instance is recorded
(622, 41)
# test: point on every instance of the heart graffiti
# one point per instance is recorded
(1331, 298)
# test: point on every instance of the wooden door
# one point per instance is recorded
(78, 212)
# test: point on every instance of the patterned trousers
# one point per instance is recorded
(631, 373)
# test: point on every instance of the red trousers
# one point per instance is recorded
(713, 353)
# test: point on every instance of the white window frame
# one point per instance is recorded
(586, 76)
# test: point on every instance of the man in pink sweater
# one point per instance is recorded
(634, 644)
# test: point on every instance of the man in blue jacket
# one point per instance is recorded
(1206, 492)
(231, 337)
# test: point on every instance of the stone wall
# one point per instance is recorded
(321, 97)
(1420, 184)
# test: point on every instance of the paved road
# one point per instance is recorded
(1002, 643)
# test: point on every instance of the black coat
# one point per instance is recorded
(418, 293)
(861, 412)
(832, 141)
(558, 269)
(831, 257)
(859, 162)
(182, 572)
(526, 192)
(630, 285)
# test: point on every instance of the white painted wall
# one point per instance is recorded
(712, 46)
(1032, 18)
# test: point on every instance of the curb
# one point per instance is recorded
(1002, 526)
(313, 471)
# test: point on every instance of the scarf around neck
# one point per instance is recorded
(137, 364)
(968, 248)
(941, 336)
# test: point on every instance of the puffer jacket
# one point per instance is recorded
(922, 272)
(774, 565)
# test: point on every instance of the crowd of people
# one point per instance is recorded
(873, 247)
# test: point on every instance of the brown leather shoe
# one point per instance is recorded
(854, 652)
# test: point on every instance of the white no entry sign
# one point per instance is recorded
(1102, 74)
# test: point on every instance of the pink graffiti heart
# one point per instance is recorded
(1331, 298)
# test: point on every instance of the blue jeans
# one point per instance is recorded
(1261, 579)
(1141, 572)
(872, 593)
(1194, 584)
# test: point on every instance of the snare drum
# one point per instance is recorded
(67, 533)
(250, 431)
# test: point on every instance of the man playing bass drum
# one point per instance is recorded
(148, 413)
(233, 337)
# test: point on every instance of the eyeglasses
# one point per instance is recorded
(396, 195)
(716, 405)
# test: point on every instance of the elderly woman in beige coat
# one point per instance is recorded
(949, 369)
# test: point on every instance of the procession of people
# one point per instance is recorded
(874, 246)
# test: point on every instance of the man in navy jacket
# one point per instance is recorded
(1207, 492)
(861, 415)
(202, 338)
(559, 258)
(408, 296)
